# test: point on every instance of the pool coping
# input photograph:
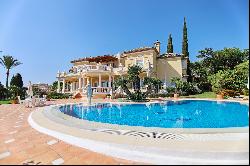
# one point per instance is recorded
(148, 150)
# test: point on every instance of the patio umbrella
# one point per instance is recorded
(30, 91)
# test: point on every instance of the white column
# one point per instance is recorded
(71, 87)
(80, 83)
(109, 81)
(63, 88)
(58, 86)
(74, 86)
(100, 80)
(83, 82)
(88, 81)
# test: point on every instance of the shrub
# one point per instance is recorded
(170, 89)
(16, 87)
(3, 92)
(14, 91)
(230, 93)
(227, 79)
(138, 96)
(185, 88)
(246, 92)
(157, 95)
(55, 95)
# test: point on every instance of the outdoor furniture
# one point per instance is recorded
(19, 100)
(39, 101)
(34, 102)
(28, 102)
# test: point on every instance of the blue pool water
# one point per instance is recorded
(170, 114)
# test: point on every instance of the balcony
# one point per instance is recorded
(76, 70)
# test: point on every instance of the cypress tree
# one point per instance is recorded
(170, 48)
(185, 40)
(185, 50)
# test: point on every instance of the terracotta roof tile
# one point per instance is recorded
(104, 58)
(139, 50)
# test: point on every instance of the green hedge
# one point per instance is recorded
(55, 95)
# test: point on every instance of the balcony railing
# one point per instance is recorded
(91, 68)
(98, 90)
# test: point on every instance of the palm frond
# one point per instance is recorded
(9, 62)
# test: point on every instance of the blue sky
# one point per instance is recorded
(45, 35)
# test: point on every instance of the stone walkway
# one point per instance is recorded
(21, 144)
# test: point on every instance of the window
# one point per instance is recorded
(139, 62)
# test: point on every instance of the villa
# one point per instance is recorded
(101, 71)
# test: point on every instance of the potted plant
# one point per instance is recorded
(14, 100)
(220, 94)
(176, 94)
(178, 86)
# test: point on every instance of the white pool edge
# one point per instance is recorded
(124, 152)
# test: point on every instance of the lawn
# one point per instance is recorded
(5, 102)
(202, 95)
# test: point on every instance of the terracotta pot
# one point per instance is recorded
(176, 95)
(14, 101)
(220, 96)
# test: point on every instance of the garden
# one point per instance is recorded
(9, 92)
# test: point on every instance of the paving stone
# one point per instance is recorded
(13, 132)
(9, 141)
(4, 155)
(58, 161)
(51, 142)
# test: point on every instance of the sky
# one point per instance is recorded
(45, 35)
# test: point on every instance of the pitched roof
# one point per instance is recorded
(97, 59)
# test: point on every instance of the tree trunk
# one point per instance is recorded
(7, 79)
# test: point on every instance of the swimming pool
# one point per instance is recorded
(169, 114)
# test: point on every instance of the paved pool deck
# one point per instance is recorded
(21, 144)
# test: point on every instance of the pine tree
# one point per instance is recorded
(185, 50)
(17, 81)
(170, 48)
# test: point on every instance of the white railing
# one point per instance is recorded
(85, 68)
(91, 68)
(95, 90)
(98, 90)
(101, 90)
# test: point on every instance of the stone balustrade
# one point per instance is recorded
(91, 68)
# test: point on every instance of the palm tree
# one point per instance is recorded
(9, 62)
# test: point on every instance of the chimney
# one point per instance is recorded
(157, 45)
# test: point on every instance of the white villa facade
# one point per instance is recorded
(101, 71)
